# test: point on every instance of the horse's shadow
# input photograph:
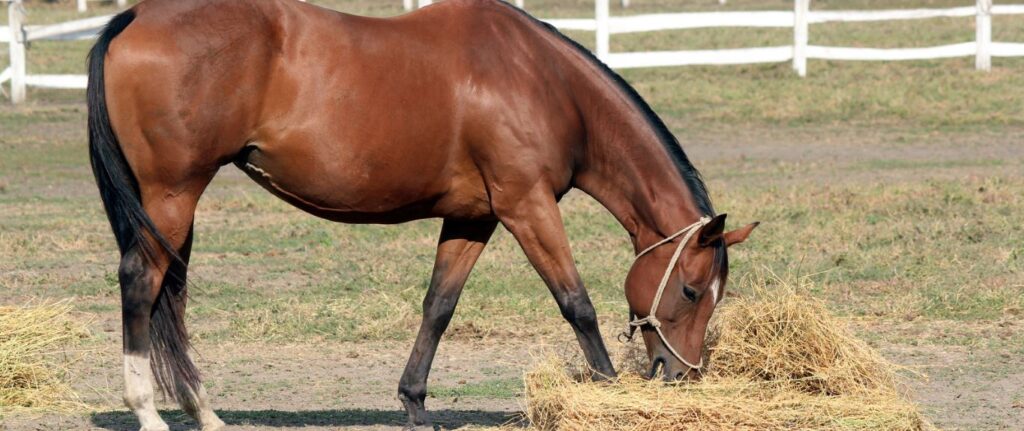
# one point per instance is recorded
(447, 419)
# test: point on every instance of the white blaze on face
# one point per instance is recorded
(715, 288)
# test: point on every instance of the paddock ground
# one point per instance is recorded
(896, 188)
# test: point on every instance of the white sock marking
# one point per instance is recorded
(138, 392)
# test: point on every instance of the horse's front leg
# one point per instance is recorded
(536, 223)
(457, 251)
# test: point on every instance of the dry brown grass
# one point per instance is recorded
(33, 359)
(781, 335)
(780, 361)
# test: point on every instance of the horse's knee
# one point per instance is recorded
(137, 300)
(577, 309)
(438, 311)
(132, 269)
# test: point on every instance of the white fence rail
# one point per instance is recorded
(409, 4)
(17, 34)
(800, 18)
(83, 4)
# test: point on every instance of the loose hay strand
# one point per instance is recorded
(780, 361)
(32, 373)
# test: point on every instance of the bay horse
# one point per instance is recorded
(467, 110)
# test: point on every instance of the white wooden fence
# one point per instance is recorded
(83, 4)
(799, 19)
(409, 4)
(17, 34)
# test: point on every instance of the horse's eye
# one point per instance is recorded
(689, 293)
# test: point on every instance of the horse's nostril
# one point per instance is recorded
(680, 375)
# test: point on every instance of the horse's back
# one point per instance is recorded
(352, 118)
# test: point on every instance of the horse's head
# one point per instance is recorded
(683, 279)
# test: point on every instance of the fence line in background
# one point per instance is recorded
(17, 34)
(83, 7)
(408, 4)
(799, 19)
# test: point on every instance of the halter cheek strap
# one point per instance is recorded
(687, 233)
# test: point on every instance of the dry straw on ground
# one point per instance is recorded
(779, 361)
(32, 361)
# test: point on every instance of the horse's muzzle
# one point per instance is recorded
(672, 370)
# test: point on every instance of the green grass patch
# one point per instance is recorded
(496, 388)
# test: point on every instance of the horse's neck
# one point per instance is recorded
(627, 168)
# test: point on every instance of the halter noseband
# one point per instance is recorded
(687, 233)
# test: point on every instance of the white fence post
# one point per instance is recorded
(625, 3)
(15, 21)
(800, 30)
(407, 4)
(983, 34)
(82, 7)
(122, 3)
(603, 31)
(519, 4)
(424, 3)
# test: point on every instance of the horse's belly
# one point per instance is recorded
(357, 193)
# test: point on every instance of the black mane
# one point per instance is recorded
(691, 176)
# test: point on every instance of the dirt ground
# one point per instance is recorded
(353, 386)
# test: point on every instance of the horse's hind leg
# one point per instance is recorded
(457, 251)
(142, 275)
(195, 402)
(153, 305)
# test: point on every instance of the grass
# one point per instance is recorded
(896, 187)
(495, 388)
(914, 248)
(939, 93)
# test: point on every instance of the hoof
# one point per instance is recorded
(156, 428)
(214, 425)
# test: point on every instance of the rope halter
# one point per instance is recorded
(687, 233)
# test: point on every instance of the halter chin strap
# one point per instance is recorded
(687, 233)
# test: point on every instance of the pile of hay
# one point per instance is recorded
(778, 362)
(32, 361)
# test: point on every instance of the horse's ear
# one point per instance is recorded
(739, 235)
(711, 231)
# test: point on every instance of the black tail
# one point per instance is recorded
(132, 227)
